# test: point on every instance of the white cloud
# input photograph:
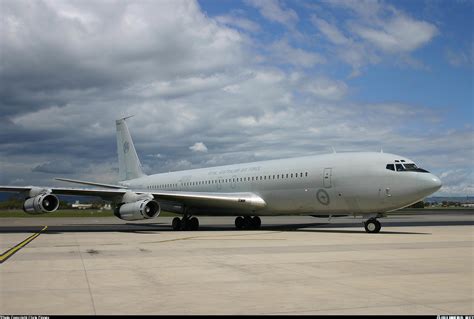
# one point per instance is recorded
(295, 56)
(272, 10)
(372, 33)
(199, 147)
(398, 35)
(326, 89)
(330, 31)
(239, 22)
(460, 58)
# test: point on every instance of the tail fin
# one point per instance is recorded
(129, 164)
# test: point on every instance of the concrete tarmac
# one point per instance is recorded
(417, 264)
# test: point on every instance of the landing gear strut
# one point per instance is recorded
(372, 225)
(248, 222)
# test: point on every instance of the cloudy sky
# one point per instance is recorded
(221, 82)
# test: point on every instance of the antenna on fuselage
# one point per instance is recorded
(381, 150)
(333, 149)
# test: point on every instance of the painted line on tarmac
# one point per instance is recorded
(10, 252)
(217, 237)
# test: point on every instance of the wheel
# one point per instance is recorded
(257, 222)
(239, 222)
(379, 226)
(372, 226)
(248, 222)
(176, 224)
(193, 223)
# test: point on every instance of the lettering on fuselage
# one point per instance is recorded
(323, 197)
(237, 170)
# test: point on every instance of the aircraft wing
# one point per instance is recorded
(104, 193)
(193, 199)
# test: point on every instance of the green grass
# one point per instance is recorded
(68, 213)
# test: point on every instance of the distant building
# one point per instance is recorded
(467, 205)
(106, 206)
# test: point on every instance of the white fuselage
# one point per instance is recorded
(331, 184)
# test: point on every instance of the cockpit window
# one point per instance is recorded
(410, 167)
(413, 168)
(405, 167)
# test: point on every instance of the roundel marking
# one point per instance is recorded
(126, 147)
(323, 197)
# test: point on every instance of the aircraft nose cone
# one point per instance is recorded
(431, 183)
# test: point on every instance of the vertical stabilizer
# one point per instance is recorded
(129, 164)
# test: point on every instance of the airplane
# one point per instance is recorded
(367, 184)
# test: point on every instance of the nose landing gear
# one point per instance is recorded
(372, 225)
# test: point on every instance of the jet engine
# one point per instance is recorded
(40, 201)
(144, 207)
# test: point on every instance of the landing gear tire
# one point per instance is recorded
(372, 226)
(248, 222)
(185, 223)
(176, 224)
(239, 223)
(193, 224)
(256, 221)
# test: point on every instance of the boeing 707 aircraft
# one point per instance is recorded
(338, 184)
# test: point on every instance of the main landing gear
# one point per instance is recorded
(185, 223)
(248, 222)
(372, 225)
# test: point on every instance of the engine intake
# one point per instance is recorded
(142, 209)
(40, 204)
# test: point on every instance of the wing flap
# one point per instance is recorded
(210, 199)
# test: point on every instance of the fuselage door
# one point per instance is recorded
(327, 176)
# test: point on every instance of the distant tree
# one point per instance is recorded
(64, 205)
(427, 204)
(419, 204)
(13, 202)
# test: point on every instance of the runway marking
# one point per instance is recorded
(10, 252)
(212, 237)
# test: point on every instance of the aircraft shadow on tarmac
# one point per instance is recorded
(152, 228)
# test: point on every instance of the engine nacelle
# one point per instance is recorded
(40, 204)
(142, 209)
